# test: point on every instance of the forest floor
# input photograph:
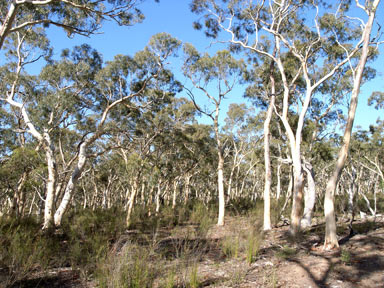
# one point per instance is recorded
(231, 256)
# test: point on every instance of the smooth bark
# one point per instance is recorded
(267, 158)
(329, 209)
(310, 196)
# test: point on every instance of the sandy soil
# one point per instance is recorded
(280, 261)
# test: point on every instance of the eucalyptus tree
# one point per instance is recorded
(134, 82)
(234, 121)
(74, 17)
(222, 72)
(364, 170)
(242, 131)
(160, 145)
(262, 91)
(316, 50)
(77, 93)
(370, 10)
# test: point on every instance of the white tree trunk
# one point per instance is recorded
(132, 201)
(310, 197)
(297, 197)
(267, 162)
(329, 209)
(220, 182)
(51, 183)
(187, 188)
(174, 196)
(69, 189)
(7, 22)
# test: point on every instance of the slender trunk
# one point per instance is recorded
(95, 196)
(7, 22)
(158, 193)
(310, 196)
(329, 209)
(32, 203)
(142, 194)
(267, 156)
(278, 185)
(351, 195)
(371, 210)
(187, 188)
(85, 202)
(297, 204)
(51, 182)
(289, 192)
(127, 196)
(132, 200)
(220, 180)
(220, 168)
(267, 161)
(150, 200)
(229, 188)
(174, 196)
(69, 189)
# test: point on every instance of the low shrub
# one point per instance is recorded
(133, 266)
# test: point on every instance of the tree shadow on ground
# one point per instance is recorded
(67, 279)
(360, 258)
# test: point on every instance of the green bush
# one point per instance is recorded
(24, 249)
(131, 267)
(90, 235)
(253, 245)
(202, 216)
(230, 247)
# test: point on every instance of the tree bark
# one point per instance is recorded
(132, 200)
(7, 23)
(267, 161)
(329, 209)
(174, 196)
(69, 189)
(51, 183)
(310, 196)
(220, 182)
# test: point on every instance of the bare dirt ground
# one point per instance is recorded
(280, 262)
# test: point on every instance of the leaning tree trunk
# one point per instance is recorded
(69, 189)
(132, 199)
(329, 209)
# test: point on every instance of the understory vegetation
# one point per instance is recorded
(162, 251)
(155, 166)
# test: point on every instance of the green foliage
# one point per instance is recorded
(24, 249)
(286, 252)
(230, 246)
(242, 206)
(22, 160)
(253, 246)
(90, 234)
(345, 256)
(170, 280)
(83, 19)
(203, 217)
(131, 268)
(237, 276)
(193, 277)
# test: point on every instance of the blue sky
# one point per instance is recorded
(175, 18)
